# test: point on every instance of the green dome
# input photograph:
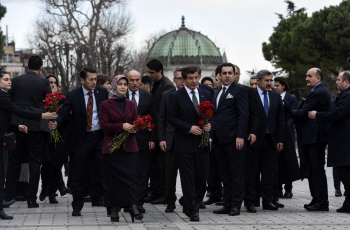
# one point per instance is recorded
(184, 46)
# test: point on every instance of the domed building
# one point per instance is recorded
(185, 47)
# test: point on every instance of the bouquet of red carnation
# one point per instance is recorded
(206, 112)
(51, 105)
(142, 122)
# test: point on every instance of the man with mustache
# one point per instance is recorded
(312, 140)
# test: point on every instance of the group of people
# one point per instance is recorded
(250, 153)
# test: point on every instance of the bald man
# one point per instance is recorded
(312, 140)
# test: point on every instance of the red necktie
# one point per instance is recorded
(89, 108)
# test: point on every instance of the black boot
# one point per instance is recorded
(4, 216)
(134, 213)
(114, 214)
(52, 199)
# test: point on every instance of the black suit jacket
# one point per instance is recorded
(28, 92)
(164, 85)
(310, 131)
(143, 109)
(207, 88)
(74, 108)
(293, 103)
(339, 118)
(275, 120)
(7, 107)
(231, 117)
(182, 115)
(166, 131)
(253, 111)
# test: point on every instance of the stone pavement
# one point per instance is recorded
(293, 216)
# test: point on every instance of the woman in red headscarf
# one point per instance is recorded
(116, 115)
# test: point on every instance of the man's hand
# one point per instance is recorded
(251, 138)
(207, 127)
(196, 130)
(239, 143)
(162, 145)
(52, 125)
(23, 128)
(279, 147)
(151, 145)
(312, 114)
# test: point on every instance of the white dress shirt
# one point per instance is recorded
(261, 94)
(137, 96)
(219, 94)
(95, 125)
(190, 94)
(283, 95)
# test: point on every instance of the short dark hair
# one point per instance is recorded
(254, 77)
(239, 70)
(2, 73)
(51, 75)
(177, 69)
(155, 65)
(217, 70)
(227, 64)
(146, 80)
(283, 82)
(319, 73)
(206, 79)
(188, 70)
(35, 62)
(262, 73)
(85, 70)
(101, 79)
(346, 75)
(199, 70)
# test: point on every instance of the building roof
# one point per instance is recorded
(185, 46)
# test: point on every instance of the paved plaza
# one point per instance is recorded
(293, 216)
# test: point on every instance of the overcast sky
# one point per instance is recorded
(238, 27)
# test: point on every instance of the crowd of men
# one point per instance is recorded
(251, 152)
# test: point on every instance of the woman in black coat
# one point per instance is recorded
(7, 107)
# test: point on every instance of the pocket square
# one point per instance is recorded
(229, 96)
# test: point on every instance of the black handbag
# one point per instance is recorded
(9, 140)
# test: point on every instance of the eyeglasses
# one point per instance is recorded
(177, 78)
(193, 78)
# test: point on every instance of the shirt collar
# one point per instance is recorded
(260, 91)
(85, 91)
(3, 90)
(136, 92)
(283, 95)
(315, 86)
(226, 86)
(189, 91)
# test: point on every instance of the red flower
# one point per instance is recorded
(57, 110)
(201, 122)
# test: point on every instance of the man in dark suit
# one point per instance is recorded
(166, 141)
(84, 138)
(28, 92)
(269, 138)
(230, 132)
(143, 101)
(338, 144)
(193, 160)
(314, 138)
(157, 174)
(202, 86)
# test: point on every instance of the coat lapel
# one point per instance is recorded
(188, 100)
(98, 99)
(260, 104)
(81, 99)
(115, 106)
(128, 107)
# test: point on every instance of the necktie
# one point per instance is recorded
(89, 108)
(266, 108)
(222, 95)
(194, 100)
(133, 98)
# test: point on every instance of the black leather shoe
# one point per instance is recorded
(318, 207)
(220, 203)
(4, 216)
(64, 191)
(250, 208)
(235, 212)
(223, 210)
(98, 203)
(32, 204)
(170, 208)
(308, 205)
(20, 198)
(52, 199)
(184, 210)
(269, 206)
(201, 205)
(343, 210)
(42, 195)
(278, 204)
(338, 193)
(6, 204)
(212, 200)
(288, 195)
(141, 209)
(194, 217)
(159, 201)
(87, 198)
(76, 212)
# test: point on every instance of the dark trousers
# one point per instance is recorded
(50, 178)
(143, 174)
(2, 173)
(231, 168)
(344, 174)
(336, 178)
(90, 149)
(156, 166)
(276, 186)
(95, 183)
(194, 168)
(214, 180)
(29, 146)
(263, 159)
(315, 154)
(171, 167)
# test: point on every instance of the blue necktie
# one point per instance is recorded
(266, 107)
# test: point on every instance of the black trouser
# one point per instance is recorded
(50, 178)
(263, 159)
(276, 187)
(214, 180)
(156, 166)
(315, 154)
(344, 174)
(194, 169)
(2, 173)
(231, 167)
(29, 146)
(95, 183)
(89, 149)
(171, 167)
(143, 174)
(336, 178)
